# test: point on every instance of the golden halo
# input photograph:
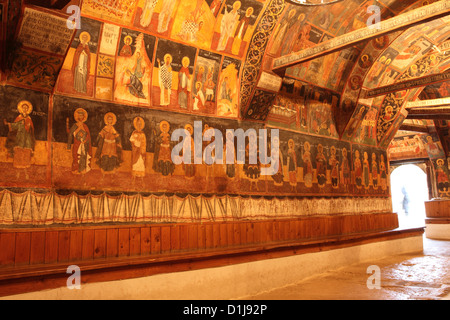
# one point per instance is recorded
(110, 114)
(307, 146)
(189, 128)
(83, 34)
(20, 107)
(80, 110)
(185, 61)
(290, 141)
(139, 126)
(440, 162)
(168, 55)
(126, 38)
(166, 124)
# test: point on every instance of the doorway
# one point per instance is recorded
(409, 189)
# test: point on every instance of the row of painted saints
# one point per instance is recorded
(109, 154)
(109, 157)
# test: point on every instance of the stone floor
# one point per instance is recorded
(423, 276)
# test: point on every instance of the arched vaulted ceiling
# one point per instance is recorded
(354, 81)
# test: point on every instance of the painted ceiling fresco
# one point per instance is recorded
(213, 57)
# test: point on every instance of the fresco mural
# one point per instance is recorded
(304, 107)
(117, 148)
(133, 71)
(77, 75)
(173, 66)
(24, 151)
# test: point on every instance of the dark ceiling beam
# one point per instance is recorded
(444, 116)
(414, 127)
(403, 21)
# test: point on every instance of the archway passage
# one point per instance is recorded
(409, 192)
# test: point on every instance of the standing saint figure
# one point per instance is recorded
(334, 168)
(81, 63)
(189, 168)
(383, 173)
(278, 176)
(165, 79)
(229, 20)
(307, 165)
(374, 171)
(109, 146)
(147, 12)
(252, 169)
(241, 29)
(291, 164)
(321, 166)
(199, 98)
(80, 142)
(138, 149)
(163, 158)
(209, 85)
(345, 168)
(442, 177)
(164, 15)
(358, 170)
(366, 170)
(184, 79)
(230, 155)
(21, 141)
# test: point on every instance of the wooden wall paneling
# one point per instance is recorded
(201, 233)
(165, 239)
(63, 245)
(88, 243)
(23, 243)
(112, 242)
(209, 236)
(223, 235)
(124, 242)
(276, 230)
(175, 238)
(37, 248)
(135, 241)
(236, 234)
(216, 235)
(7, 248)
(51, 246)
(249, 232)
(243, 232)
(76, 245)
(155, 246)
(230, 234)
(192, 236)
(145, 241)
(184, 237)
(100, 243)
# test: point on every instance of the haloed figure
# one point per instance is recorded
(79, 141)
(109, 147)
(21, 141)
(81, 63)
(138, 149)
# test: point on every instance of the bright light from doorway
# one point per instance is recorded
(409, 193)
